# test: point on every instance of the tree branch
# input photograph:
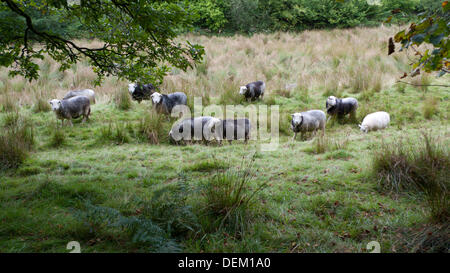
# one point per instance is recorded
(440, 85)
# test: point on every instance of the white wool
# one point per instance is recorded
(56, 104)
(156, 97)
(210, 131)
(297, 118)
(131, 87)
(331, 101)
(375, 121)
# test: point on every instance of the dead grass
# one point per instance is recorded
(280, 59)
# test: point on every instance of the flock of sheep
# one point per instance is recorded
(77, 103)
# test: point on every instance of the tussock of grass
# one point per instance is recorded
(206, 166)
(58, 138)
(430, 107)
(230, 95)
(41, 106)
(423, 167)
(16, 141)
(123, 100)
(154, 128)
(116, 132)
(229, 198)
(322, 144)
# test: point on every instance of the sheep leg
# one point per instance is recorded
(295, 135)
(70, 122)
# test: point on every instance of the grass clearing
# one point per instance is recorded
(117, 185)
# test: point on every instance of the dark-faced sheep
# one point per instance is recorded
(165, 103)
(71, 108)
(140, 92)
(309, 121)
(341, 107)
(89, 93)
(253, 91)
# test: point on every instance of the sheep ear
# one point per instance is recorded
(359, 125)
(292, 115)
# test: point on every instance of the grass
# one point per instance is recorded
(229, 197)
(41, 106)
(122, 100)
(422, 167)
(153, 128)
(16, 141)
(117, 175)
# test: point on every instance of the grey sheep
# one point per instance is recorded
(191, 129)
(232, 129)
(341, 107)
(309, 121)
(253, 90)
(165, 103)
(89, 93)
(71, 108)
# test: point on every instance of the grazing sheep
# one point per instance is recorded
(141, 92)
(253, 90)
(89, 93)
(341, 107)
(165, 103)
(375, 121)
(309, 121)
(200, 128)
(71, 108)
(232, 129)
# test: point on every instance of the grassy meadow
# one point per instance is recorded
(116, 184)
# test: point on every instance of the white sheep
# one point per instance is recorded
(375, 121)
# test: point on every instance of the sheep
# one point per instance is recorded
(309, 121)
(341, 107)
(71, 108)
(141, 92)
(89, 93)
(253, 90)
(165, 103)
(232, 129)
(200, 128)
(375, 121)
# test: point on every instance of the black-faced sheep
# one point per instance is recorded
(89, 93)
(309, 121)
(375, 121)
(341, 107)
(71, 108)
(141, 92)
(165, 103)
(253, 90)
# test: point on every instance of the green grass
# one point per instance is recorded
(315, 201)
(116, 184)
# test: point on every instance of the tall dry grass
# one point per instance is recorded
(351, 60)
